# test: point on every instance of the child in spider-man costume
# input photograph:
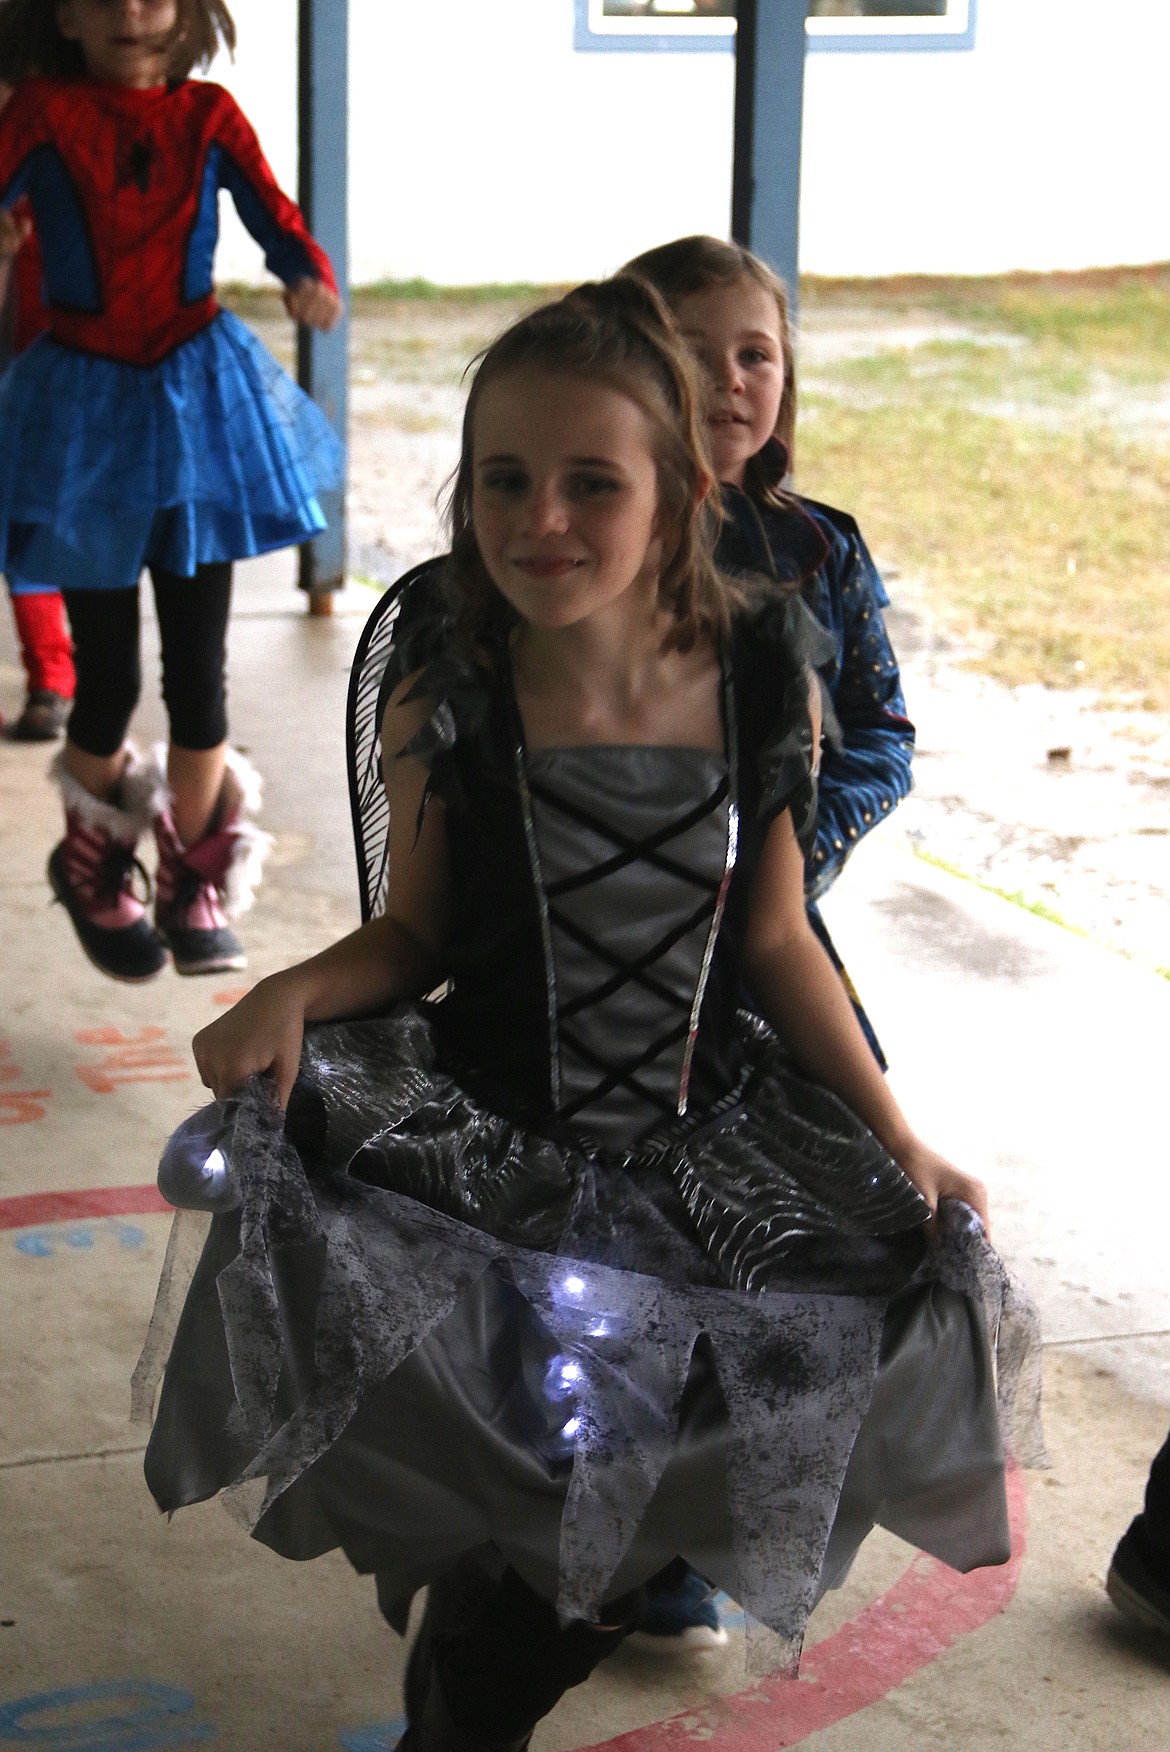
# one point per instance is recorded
(46, 650)
(148, 428)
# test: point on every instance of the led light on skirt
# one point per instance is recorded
(195, 1172)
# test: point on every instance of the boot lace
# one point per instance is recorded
(118, 873)
(189, 886)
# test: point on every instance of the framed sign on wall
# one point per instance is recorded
(662, 26)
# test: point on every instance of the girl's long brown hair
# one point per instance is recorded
(695, 264)
(619, 332)
(31, 41)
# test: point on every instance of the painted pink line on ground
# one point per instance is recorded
(73, 1207)
(925, 1613)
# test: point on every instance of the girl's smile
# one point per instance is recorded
(734, 330)
(565, 495)
(124, 42)
(548, 566)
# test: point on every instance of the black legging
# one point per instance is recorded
(500, 1655)
(192, 620)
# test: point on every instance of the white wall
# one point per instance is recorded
(484, 147)
(1045, 147)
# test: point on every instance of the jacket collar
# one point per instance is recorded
(782, 541)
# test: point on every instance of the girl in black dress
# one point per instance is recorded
(530, 1291)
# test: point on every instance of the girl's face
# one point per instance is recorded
(734, 331)
(564, 495)
(125, 42)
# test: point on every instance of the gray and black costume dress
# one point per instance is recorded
(573, 1269)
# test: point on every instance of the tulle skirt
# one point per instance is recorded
(213, 454)
(427, 1331)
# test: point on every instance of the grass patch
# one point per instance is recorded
(241, 297)
(1108, 315)
(1016, 461)
(427, 292)
(1026, 483)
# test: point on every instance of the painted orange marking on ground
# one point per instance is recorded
(144, 1057)
(19, 1106)
(36, 1208)
(925, 1613)
(231, 996)
(23, 1106)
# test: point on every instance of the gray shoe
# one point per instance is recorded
(44, 717)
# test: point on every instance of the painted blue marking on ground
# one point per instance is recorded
(145, 1716)
(35, 1243)
(379, 1737)
(80, 1238)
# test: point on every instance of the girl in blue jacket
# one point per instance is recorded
(734, 312)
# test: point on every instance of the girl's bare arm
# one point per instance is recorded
(398, 955)
(799, 992)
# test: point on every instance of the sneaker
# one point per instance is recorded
(1136, 1586)
(44, 717)
(682, 1620)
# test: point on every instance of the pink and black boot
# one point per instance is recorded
(200, 888)
(92, 871)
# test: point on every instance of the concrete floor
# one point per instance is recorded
(1033, 1057)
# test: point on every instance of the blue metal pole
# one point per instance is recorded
(323, 360)
(769, 111)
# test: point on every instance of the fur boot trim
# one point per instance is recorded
(144, 785)
(124, 820)
(251, 785)
(246, 869)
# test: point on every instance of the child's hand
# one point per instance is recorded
(937, 1178)
(262, 1033)
(313, 303)
(13, 232)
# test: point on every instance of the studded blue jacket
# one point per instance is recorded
(865, 776)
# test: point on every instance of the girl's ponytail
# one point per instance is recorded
(626, 297)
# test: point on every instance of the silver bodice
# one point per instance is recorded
(634, 847)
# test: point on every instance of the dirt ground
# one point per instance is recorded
(1035, 792)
